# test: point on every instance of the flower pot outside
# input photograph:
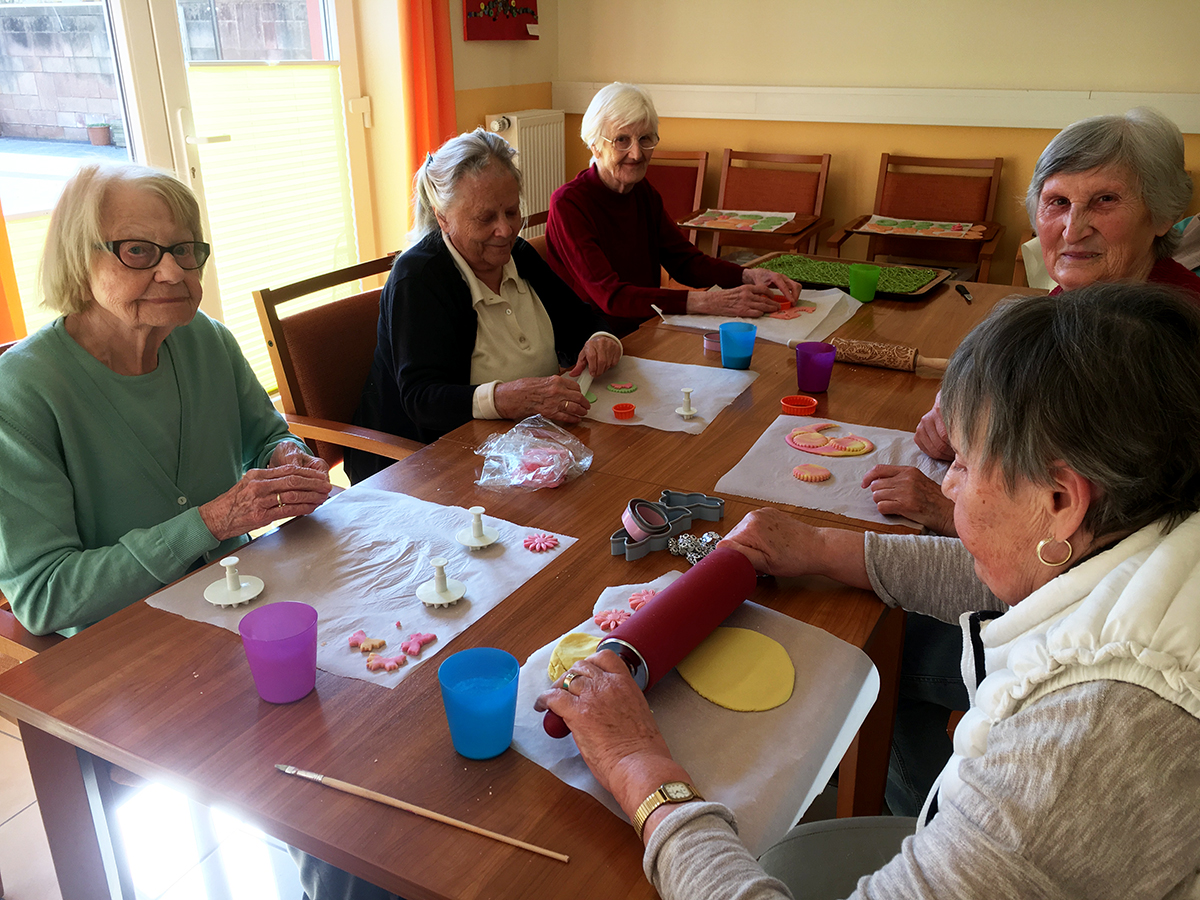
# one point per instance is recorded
(99, 135)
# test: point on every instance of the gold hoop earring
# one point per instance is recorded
(1054, 565)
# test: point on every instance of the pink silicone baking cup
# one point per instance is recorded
(623, 410)
(712, 341)
(799, 405)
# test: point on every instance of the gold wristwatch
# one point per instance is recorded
(671, 792)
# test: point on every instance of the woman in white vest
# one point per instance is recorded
(1075, 422)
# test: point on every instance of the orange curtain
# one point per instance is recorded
(429, 88)
(12, 319)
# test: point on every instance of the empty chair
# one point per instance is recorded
(322, 356)
(939, 190)
(678, 176)
(773, 182)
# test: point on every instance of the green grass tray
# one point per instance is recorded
(892, 279)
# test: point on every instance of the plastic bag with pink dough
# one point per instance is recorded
(536, 453)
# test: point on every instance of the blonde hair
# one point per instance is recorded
(75, 233)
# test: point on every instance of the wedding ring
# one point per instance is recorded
(571, 676)
(280, 499)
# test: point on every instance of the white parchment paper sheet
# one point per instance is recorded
(834, 309)
(766, 766)
(660, 392)
(359, 559)
(765, 472)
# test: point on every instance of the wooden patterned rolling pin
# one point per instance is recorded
(885, 356)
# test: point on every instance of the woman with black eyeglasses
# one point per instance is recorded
(135, 440)
(608, 234)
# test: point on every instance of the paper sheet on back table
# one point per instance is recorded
(766, 766)
(834, 308)
(359, 560)
(765, 472)
(659, 392)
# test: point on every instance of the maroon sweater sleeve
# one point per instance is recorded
(608, 247)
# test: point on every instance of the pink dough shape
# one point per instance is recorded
(377, 663)
(540, 543)
(357, 638)
(611, 618)
(638, 599)
(415, 642)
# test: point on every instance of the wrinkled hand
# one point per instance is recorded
(598, 355)
(783, 284)
(774, 542)
(749, 300)
(263, 496)
(554, 397)
(909, 492)
(931, 434)
(613, 728)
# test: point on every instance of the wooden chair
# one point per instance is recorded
(538, 242)
(759, 183)
(968, 195)
(322, 356)
(678, 175)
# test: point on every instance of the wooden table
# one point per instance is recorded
(172, 699)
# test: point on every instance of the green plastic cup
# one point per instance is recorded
(864, 278)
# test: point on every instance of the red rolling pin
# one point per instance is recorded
(675, 621)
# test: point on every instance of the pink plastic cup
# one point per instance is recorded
(281, 647)
(814, 365)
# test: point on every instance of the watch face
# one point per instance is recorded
(677, 790)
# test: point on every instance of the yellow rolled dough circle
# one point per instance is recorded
(571, 649)
(741, 670)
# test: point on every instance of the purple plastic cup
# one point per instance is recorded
(814, 365)
(281, 647)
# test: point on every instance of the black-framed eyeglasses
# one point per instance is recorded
(623, 143)
(147, 254)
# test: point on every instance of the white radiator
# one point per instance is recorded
(537, 135)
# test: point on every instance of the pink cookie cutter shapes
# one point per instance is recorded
(611, 618)
(540, 543)
(638, 599)
(377, 663)
(415, 642)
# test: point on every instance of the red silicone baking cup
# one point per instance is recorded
(623, 410)
(799, 405)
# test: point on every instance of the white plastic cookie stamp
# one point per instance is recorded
(478, 535)
(441, 591)
(233, 589)
(687, 410)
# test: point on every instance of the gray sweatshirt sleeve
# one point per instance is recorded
(926, 574)
(1090, 792)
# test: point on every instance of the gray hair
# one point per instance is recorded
(1145, 143)
(1049, 378)
(436, 182)
(75, 230)
(617, 104)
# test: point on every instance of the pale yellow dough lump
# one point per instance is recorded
(741, 670)
(572, 648)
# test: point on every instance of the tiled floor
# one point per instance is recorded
(177, 851)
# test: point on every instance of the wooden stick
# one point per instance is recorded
(357, 791)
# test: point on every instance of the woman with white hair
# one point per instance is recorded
(608, 235)
(135, 441)
(472, 322)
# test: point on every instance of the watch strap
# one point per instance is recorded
(660, 797)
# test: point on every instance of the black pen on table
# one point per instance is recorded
(966, 295)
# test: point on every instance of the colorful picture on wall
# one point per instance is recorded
(500, 20)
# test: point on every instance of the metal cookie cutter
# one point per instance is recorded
(678, 510)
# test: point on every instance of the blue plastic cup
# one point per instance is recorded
(479, 691)
(737, 344)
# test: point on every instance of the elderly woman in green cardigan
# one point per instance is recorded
(135, 441)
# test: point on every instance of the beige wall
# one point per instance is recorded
(1103, 45)
(1099, 45)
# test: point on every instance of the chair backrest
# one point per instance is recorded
(678, 175)
(322, 355)
(771, 182)
(538, 241)
(946, 189)
(7, 345)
